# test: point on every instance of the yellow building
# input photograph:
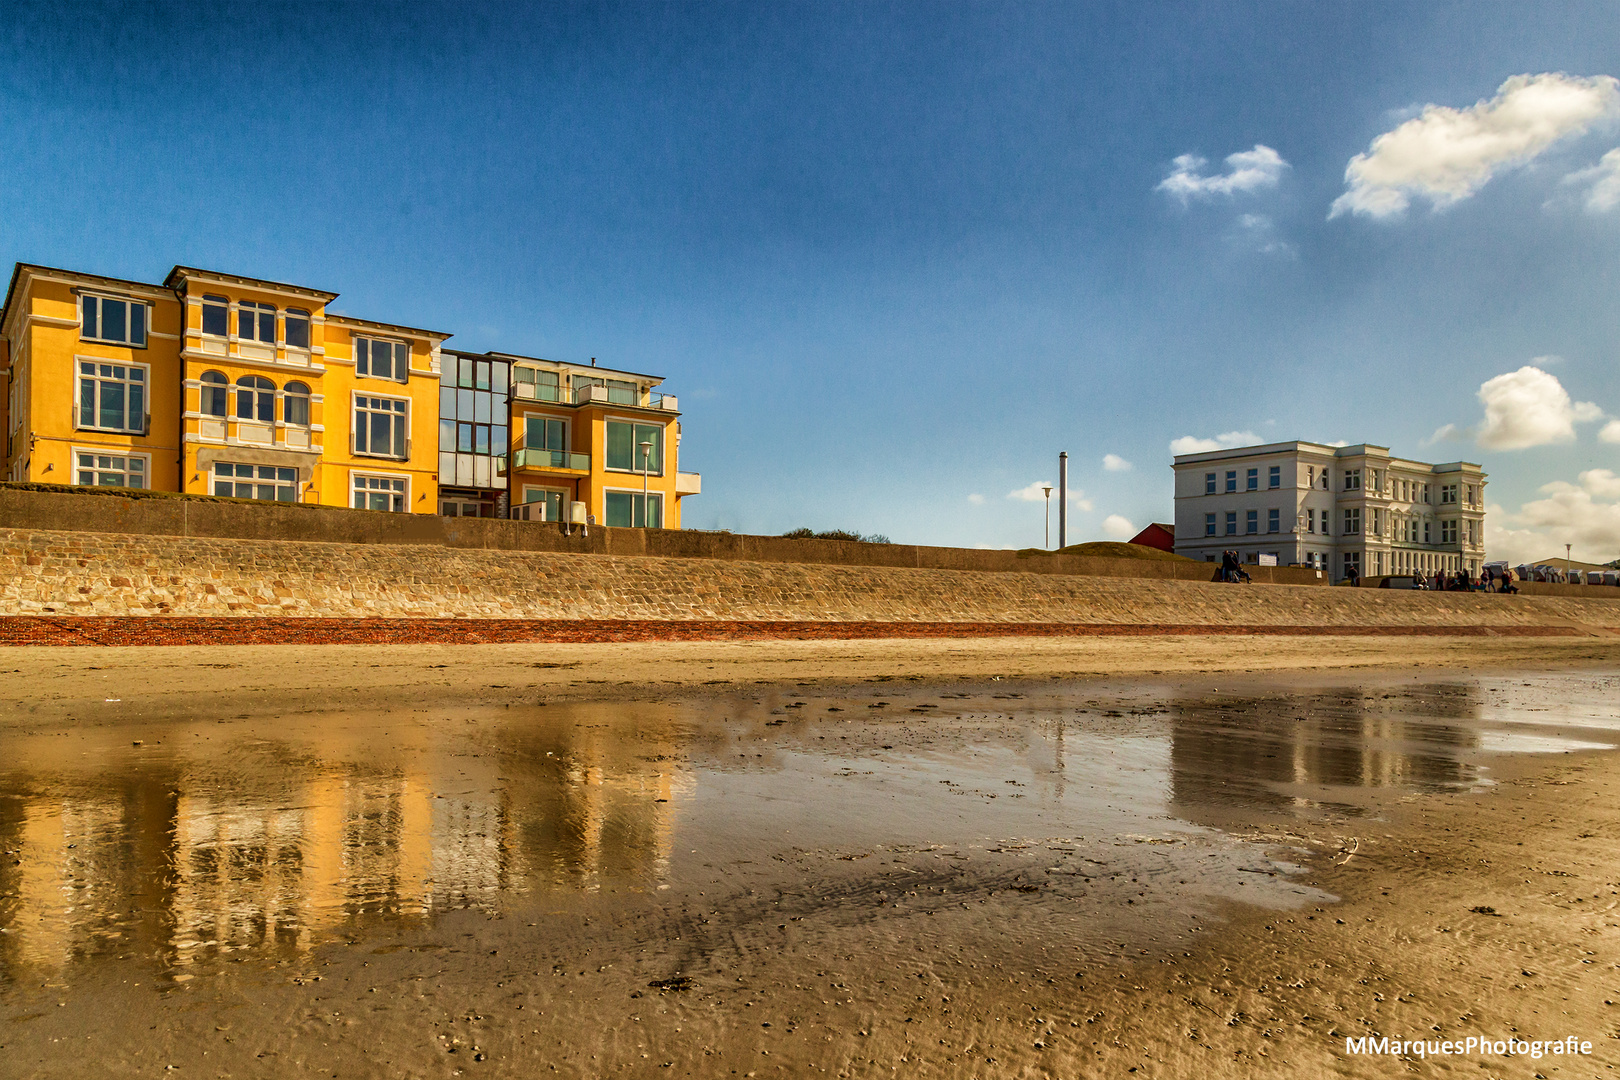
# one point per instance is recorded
(606, 440)
(216, 384)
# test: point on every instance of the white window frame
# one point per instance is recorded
(79, 420)
(372, 474)
(534, 492)
(635, 456)
(394, 343)
(213, 300)
(1352, 521)
(1352, 479)
(354, 425)
(117, 452)
(636, 492)
(127, 342)
(258, 309)
(214, 479)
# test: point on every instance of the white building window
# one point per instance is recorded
(376, 358)
(378, 492)
(112, 397)
(626, 510)
(216, 316)
(297, 323)
(256, 322)
(117, 322)
(1352, 521)
(255, 398)
(295, 404)
(380, 426)
(272, 483)
(1352, 479)
(214, 393)
(109, 470)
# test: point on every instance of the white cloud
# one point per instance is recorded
(1568, 514)
(1246, 171)
(1115, 463)
(976, 499)
(1602, 483)
(1529, 407)
(1117, 528)
(1610, 432)
(1036, 493)
(1445, 155)
(1443, 432)
(1192, 444)
(1603, 192)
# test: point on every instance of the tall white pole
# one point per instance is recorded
(1063, 500)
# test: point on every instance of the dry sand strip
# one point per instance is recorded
(271, 630)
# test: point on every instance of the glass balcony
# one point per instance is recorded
(530, 458)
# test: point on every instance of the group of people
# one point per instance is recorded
(1489, 580)
(1232, 568)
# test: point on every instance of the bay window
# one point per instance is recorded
(256, 322)
(380, 426)
(112, 397)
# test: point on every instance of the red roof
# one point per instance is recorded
(1158, 536)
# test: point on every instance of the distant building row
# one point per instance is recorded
(223, 385)
(1341, 509)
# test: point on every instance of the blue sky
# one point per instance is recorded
(893, 258)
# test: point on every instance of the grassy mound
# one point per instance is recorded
(1112, 549)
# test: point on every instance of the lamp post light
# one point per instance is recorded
(1048, 489)
(646, 450)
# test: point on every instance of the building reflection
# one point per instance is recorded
(269, 845)
(1297, 751)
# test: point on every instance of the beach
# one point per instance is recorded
(989, 858)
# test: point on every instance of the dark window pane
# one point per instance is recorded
(137, 324)
(380, 442)
(91, 303)
(112, 405)
(215, 316)
(137, 407)
(267, 326)
(399, 436)
(87, 402)
(112, 320)
(359, 430)
(297, 333)
(244, 323)
(619, 509)
(620, 438)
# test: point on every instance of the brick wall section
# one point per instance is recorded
(110, 574)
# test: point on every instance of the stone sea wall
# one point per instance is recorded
(54, 573)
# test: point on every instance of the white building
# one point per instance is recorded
(1332, 507)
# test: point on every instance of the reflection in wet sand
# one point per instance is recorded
(1291, 751)
(266, 846)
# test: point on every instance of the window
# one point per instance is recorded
(554, 501)
(1231, 480)
(1254, 480)
(214, 393)
(1209, 521)
(256, 322)
(111, 470)
(1352, 521)
(1425, 488)
(1448, 532)
(1324, 479)
(1473, 533)
(1310, 521)
(1426, 532)
(120, 322)
(1448, 494)
(624, 450)
(216, 312)
(618, 391)
(378, 359)
(255, 398)
(1352, 563)
(295, 405)
(1310, 476)
(1274, 521)
(379, 427)
(1209, 483)
(543, 384)
(1352, 479)
(625, 510)
(297, 321)
(112, 397)
(1274, 477)
(378, 492)
(1251, 521)
(271, 483)
(1231, 523)
(544, 433)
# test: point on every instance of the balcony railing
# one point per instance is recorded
(589, 394)
(530, 458)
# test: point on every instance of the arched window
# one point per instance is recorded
(295, 409)
(214, 393)
(255, 398)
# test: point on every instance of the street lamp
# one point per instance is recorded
(646, 450)
(1048, 489)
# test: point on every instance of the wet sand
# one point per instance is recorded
(898, 858)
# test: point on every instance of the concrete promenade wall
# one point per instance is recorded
(38, 506)
(54, 573)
